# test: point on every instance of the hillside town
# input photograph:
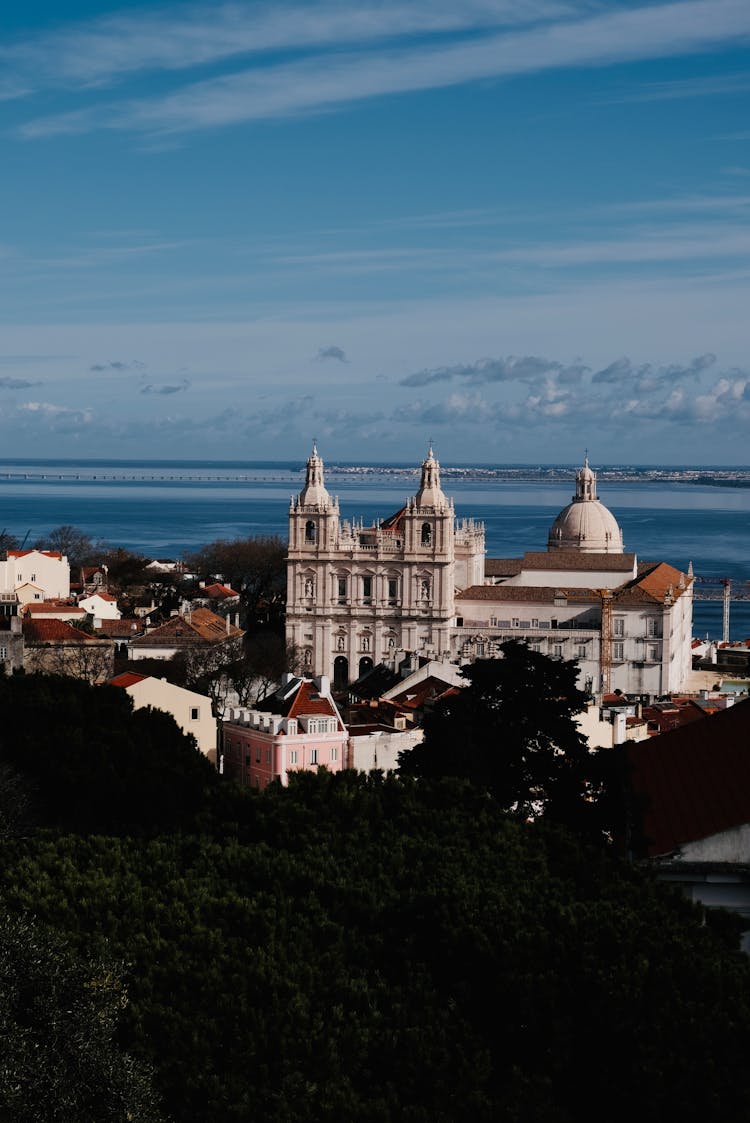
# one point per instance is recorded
(372, 634)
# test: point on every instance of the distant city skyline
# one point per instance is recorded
(519, 228)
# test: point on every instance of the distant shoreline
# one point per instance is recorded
(89, 470)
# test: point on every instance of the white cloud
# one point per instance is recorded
(112, 47)
(329, 80)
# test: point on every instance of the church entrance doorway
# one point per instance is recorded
(340, 672)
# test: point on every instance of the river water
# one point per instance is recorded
(167, 508)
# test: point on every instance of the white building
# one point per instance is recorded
(191, 711)
(35, 575)
(419, 582)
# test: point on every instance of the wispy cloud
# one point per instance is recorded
(715, 85)
(528, 368)
(117, 365)
(325, 81)
(166, 388)
(112, 47)
(17, 383)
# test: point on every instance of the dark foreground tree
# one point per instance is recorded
(58, 1017)
(95, 764)
(512, 730)
(380, 950)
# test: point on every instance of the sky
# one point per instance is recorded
(515, 228)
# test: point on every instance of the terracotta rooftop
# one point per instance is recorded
(394, 524)
(121, 629)
(54, 631)
(128, 678)
(40, 608)
(572, 559)
(652, 585)
(203, 626)
(25, 553)
(541, 594)
(696, 779)
(298, 698)
(219, 592)
(502, 567)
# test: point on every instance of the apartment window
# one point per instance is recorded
(515, 623)
(557, 651)
(535, 623)
(257, 755)
(194, 713)
(334, 753)
(3, 652)
(20, 577)
(652, 626)
(268, 756)
(480, 650)
(619, 626)
(654, 654)
(618, 652)
(247, 758)
(33, 577)
(392, 589)
(313, 756)
(342, 588)
(293, 756)
(581, 650)
(367, 588)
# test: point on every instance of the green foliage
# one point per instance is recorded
(254, 567)
(365, 948)
(512, 731)
(58, 1015)
(369, 948)
(96, 764)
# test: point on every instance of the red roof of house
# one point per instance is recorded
(298, 698)
(219, 592)
(128, 678)
(696, 779)
(39, 608)
(54, 631)
(25, 553)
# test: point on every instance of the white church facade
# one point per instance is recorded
(419, 582)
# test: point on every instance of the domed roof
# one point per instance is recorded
(586, 524)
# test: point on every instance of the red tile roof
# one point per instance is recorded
(54, 631)
(219, 592)
(39, 608)
(575, 559)
(126, 679)
(652, 585)
(696, 779)
(203, 626)
(25, 553)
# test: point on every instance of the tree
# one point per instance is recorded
(255, 567)
(512, 730)
(72, 543)
(58, 1020)
(95, 764)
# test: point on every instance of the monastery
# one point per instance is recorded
(419, 583)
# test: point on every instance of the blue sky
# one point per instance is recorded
(518, 227)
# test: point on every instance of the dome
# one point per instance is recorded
(586, 524)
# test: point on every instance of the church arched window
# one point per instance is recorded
(426, 534)
(309, 531)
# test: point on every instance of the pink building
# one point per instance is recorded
(298, 727)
